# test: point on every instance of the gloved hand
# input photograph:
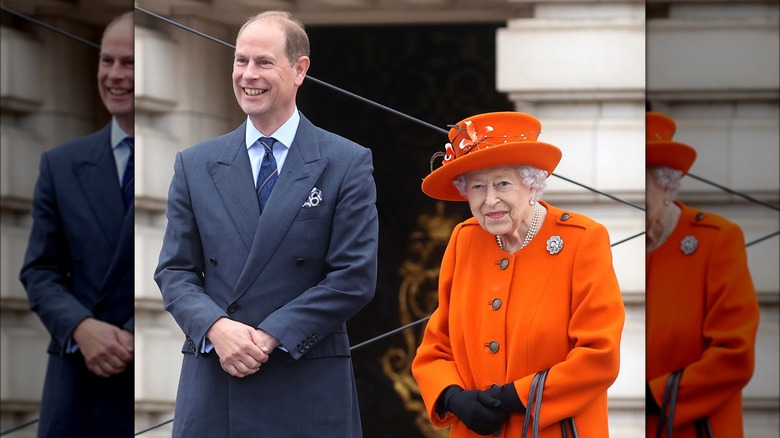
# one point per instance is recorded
(478, 410)
(651, 406)
(507, 395)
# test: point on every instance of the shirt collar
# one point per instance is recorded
(284, 135)
(117, 133)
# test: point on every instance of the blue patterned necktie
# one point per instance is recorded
(128, 179)
(266, 176)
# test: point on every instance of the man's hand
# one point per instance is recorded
(239, 347)
(267, 342)
(107, 349)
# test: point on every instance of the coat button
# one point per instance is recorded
(232, 308)
(565, 216)
(494, 386)
(496, 304)
(213, 261)
(300, 262)
(503, 263)
(493, 347)
(699, 217)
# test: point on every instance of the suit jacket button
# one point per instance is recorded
(565, 216)
(503, 263)
(213, 261)
(232, 308)
(496, 303)
(300, 262)
(493, 347)
(699, 217)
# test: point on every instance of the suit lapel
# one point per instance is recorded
(99, 182)
(232, 176)
(301, 170)
(122, 258)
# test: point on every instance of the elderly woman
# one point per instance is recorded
(524, 287)
(702, 312)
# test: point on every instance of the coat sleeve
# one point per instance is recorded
(434, 366)
(179, 273)
(594, 330)
(729, 333)
(46, 267)
(351, 260)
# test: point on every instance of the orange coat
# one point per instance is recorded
(702, 315)
(562, 311)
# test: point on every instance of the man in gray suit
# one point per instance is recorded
(271, 246)
(78, 267)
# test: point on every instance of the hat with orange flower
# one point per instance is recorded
(660, 149)
(489, 140)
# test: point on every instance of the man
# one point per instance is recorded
(78, 268)
(262, 285)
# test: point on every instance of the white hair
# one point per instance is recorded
(531, 177)
(668, 178)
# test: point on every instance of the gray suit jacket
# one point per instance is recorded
(79, 264)
(299, 273)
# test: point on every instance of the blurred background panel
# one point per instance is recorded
(48, 95)
(713, 67)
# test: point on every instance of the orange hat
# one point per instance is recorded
(489, 140)
(660, 149)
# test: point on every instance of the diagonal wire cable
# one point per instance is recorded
(734, 192)
(50, 27)
(363, 99)
(761, 239)
(19, 427)
(309, 77)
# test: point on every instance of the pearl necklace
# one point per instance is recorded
(670, 220)
(531, 230)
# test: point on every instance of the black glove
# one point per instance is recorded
(476, 409)
(507, 395)
(651, 406)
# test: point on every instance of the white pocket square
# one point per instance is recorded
(315, 197)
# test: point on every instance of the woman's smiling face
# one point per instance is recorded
(498, 199)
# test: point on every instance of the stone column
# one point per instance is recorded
(183, 96)
(713, 67)
(580, 68)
